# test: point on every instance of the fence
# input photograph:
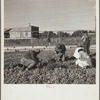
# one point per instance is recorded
(47, 38)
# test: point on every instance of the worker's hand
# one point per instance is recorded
(60, 54)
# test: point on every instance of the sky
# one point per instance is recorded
(50, 15)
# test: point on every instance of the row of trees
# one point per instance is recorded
(78, 33)
(53, 34)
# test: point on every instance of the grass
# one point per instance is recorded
(51, 73)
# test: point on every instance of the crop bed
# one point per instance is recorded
(51, 73)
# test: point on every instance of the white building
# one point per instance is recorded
(22, 32)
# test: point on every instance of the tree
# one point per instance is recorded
(52, 34)
(45, 34)
(79, 33)
(62, 34)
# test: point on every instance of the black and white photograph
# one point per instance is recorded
(50, 42)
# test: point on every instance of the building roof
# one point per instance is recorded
(7, 29)
(21, 29)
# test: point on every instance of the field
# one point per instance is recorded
(51, 73)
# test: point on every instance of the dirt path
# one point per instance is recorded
(25, 48)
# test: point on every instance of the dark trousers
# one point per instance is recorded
(86, 48)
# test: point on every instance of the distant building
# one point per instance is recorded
(22, 32)
(6, 32)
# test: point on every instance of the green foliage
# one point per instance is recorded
(51, 34)
(63, 34)
(45, 34)
(79, 33)
(51, 73)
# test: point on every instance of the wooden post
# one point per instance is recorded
(95, 24)
(49, 40)
(49, 43)
(59, 38)
(32, 42)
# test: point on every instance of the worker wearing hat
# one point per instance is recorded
(83, 59)
(60, 52)
(30, 58)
